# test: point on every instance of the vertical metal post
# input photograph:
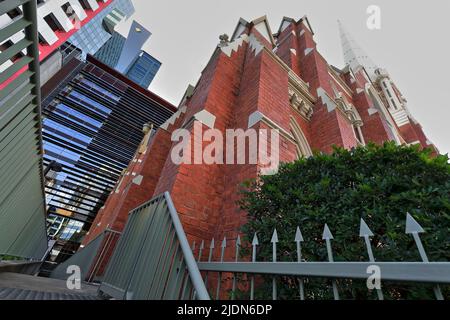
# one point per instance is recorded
(211, 248)
(274, 259)
(200, 250)
(328, 236)
(238, 244)
(414, 228)
(299, 240)
(219, 280)
(366, 233)
(255, 243)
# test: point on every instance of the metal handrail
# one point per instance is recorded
(194, 272)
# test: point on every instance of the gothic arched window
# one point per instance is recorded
(303, 148)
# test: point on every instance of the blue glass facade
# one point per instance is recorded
(92, 36)
(143, 70)
(110, 53)
(92, 125)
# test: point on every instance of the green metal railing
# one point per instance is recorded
(153, 259)
(22, 202)
(299, 271)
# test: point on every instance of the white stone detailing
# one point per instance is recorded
(308, 51)
(293, 51)
(302, 32)
(360, 90)
(173, 118)
(413, 143)
(234, 45)
(326, 100)
(400, 117)
(255, 44)
(372, 111)
(239, 30)
(284, 25)
(138, 180)
(254, 118)
(258, 116)
(264, 30)
(205, 117)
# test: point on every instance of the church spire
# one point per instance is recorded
(354, 55)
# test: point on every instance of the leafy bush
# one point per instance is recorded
(378, 183)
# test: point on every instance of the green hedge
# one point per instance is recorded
(378, 183)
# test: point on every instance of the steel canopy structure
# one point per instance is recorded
(22, 204)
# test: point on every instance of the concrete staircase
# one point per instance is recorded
(23, 294)
(15, 286)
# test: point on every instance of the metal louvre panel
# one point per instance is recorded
(22, 204)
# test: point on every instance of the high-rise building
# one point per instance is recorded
(93, 35)
(144, 69)
(259, 80)
(92, 126)
(83, 21)
(125, 54)
(110, 52)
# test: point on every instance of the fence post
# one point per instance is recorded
(366, 233)
(299, 239)
(211, 249)
(414, 228)
(200, 250)
(328, 236)
(219, 280)
(274, 241)
(255, 243)
(238, 244)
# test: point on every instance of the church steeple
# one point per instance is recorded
(354, 55)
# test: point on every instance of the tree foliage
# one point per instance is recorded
(378, 183)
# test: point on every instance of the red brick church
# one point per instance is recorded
(262, 80)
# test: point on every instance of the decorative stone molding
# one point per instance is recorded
(308, 51)
(299, 104)
(173, 118)
(258, 116)
(204, 117)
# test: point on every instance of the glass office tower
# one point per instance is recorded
(92, 36)
(125, 54)
(93, 120)
(144, 69)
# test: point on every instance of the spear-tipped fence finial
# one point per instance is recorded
(299, 239)
(366, 233)
(414, 228)
(274, 241)
(328, 236)
(255, 243)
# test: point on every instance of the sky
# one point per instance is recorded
(412, 44)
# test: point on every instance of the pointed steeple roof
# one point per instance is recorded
(354, 55)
